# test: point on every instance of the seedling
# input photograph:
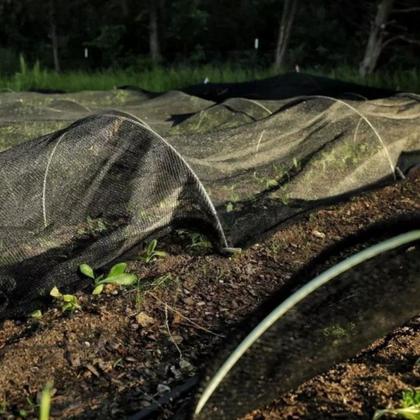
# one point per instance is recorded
(117, 275)
(45, 404)
(36, 314)
(410, 407)
(229, 207)
(68, 302)
(200, 242)
(93, 227)
(151, 253)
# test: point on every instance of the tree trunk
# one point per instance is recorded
(376, 38)
(54, 37)
(154, 32)
(285, 28)
(124, 8)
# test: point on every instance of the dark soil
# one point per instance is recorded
(126, 348)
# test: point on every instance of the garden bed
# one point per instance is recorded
(127, 348)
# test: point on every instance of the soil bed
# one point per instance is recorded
(126, 348)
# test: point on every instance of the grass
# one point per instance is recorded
(157, 79)
(162, 78)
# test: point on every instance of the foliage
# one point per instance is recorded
(197, 31)
(69, 303)
(151, 253)
(409, 409)
(117, 275)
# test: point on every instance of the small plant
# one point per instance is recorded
(229, 207)
(93, 227)
(69, 303)
(37, 314)
(199, 242)
(45, 403)
(410, 407)
(151, 253)
(117, 275)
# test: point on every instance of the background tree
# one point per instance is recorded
(385, 31)
(285, 29)
(376, 38)
(138, 33)
(154, 35)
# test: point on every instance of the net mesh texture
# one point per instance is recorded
(220, 158)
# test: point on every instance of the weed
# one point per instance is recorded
(117, 276)
(151, 253)
(45, 404)
(410, 407)
(69, 303)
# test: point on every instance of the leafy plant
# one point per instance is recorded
(117, 275)
(68, 302)
(200, 242)
(410, 407)
(151, 253)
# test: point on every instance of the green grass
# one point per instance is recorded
(158, 79)
(161, 78)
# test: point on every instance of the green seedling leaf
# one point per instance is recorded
(117, 269)
(151, 247)
(87, 270)
(159, 254)
(271, 183)
(124, 279)
(45, 405)
(229, 207)
(55, 293)
(150, 253)
(36, 314)
(98, 289)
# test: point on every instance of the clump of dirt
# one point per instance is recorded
(125, 349)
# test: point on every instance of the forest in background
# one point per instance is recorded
(260, 37)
